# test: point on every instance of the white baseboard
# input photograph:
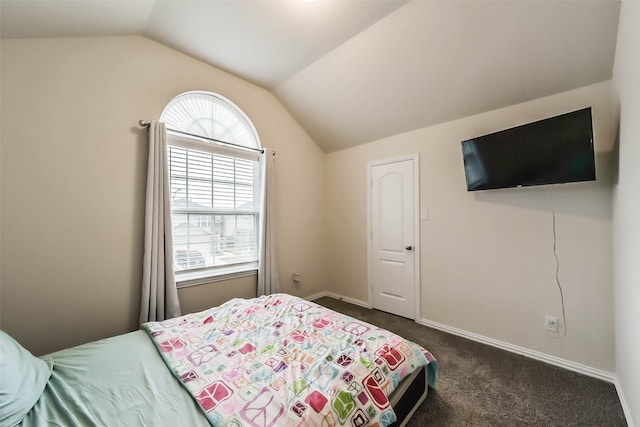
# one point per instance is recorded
(338, 297)
(315, 296)
(543, 357)
(623, 402)
(547, 358)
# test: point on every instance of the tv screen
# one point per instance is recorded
(550, 151)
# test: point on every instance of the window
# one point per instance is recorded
(214, 187)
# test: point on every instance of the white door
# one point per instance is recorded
(393, 205)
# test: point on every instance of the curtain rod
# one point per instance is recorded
(146, 124)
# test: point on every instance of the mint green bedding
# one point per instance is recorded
(119, 381)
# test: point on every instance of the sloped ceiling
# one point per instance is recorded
(356, 71)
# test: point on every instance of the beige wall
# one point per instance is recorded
(73, 178)
(73, 174)
(626, 208)
(487, 263)
(198, 298)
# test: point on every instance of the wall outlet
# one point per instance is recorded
(551, 323)
(296, 279)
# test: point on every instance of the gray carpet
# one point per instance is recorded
(480, 385)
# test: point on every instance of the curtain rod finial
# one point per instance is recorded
(144, 123)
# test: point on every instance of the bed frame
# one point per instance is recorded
(408, 396)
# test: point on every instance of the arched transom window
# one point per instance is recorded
(214, 187)
(211, 116)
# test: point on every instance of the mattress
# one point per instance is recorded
(125, 381)
(279, 360)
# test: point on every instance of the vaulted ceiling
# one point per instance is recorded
(352, 72)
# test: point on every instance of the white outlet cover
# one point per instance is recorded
(551, 323)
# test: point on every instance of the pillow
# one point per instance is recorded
(23, 378)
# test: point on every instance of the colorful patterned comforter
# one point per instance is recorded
(278, 360)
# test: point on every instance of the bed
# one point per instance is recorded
(276, 360)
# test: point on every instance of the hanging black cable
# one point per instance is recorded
(555, 254)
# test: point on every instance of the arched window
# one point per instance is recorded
(214, 186)
(211, 116)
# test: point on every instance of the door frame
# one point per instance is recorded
(416, 228)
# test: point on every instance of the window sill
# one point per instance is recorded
(195, 278)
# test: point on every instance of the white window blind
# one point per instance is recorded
(214, 201)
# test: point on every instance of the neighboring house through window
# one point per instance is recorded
(214, 187)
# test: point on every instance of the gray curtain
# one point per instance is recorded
(268, 282)
(159, 292)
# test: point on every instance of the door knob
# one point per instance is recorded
(408, 247)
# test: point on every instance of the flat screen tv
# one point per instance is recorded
(550, 151)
